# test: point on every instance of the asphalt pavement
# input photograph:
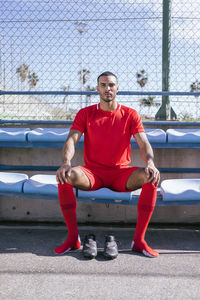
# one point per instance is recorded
(30, 270)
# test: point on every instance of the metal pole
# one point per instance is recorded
(166, 112)
(80, 65)
(81, 27)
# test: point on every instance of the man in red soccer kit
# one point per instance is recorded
(108, 128)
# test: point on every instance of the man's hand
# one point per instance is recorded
(152, 173)
(63, 172)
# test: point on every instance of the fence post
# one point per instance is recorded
(165, 112)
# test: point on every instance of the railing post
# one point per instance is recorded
(166, 112)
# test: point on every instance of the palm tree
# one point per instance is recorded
(195, 87)
(88, 97)
(65, 88)
(23, 72)
(147, 101)
(32, 80)
(84, 75)
(142, 78)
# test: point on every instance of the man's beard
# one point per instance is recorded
(105, 99)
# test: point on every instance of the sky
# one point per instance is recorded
(121, 36)
(43, 34)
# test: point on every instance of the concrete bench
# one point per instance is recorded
(171, 192)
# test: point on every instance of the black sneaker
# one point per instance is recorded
(90, 246)
(110, 247)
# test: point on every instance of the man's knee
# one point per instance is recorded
(140, 175)
(73, 178)
(78, 179)
(144, 176)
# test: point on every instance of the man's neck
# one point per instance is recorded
(108, 106)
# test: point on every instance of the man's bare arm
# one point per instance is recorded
(147, 155)
(67, 154)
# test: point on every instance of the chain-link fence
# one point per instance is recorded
(61, 45)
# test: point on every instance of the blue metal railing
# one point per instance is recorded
(61, 122)
(124, 93)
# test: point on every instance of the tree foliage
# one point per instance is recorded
(25, 74)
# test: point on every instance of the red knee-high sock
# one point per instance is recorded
(146, 204)
(68, 206)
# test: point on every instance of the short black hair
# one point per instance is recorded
(107, 73)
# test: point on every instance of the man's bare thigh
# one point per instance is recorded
(136, 179)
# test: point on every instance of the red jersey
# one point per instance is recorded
(107, 134)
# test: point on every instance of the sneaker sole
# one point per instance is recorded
(110, 256)
(89, 256)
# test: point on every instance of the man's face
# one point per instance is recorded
(107, 88)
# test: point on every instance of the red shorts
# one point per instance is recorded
(114, 179)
